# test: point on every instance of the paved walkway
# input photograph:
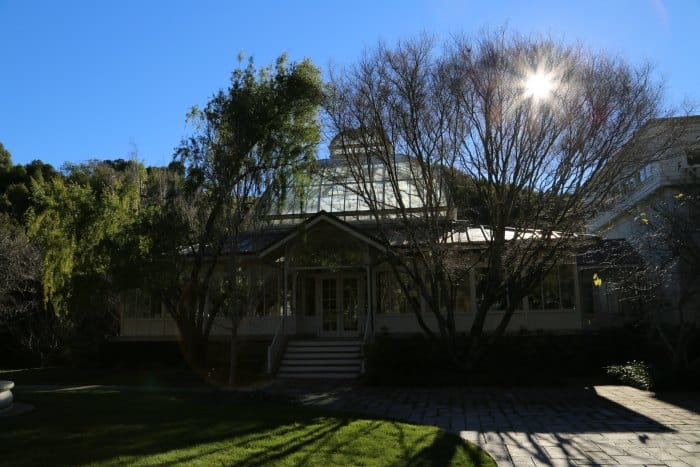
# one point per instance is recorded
(600, 425)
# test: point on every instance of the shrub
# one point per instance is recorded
(414, 360)
(634, 373)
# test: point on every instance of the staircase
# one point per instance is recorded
(322, 359)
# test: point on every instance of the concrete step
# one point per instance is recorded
(324, 342)
(317, 375)
(321, 351)
(320, 368)
(320, 361)
(329, 345)
(330, 351)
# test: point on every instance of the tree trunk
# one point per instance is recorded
(194, 349)
(233, 359)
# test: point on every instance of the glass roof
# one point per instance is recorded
(339, 189)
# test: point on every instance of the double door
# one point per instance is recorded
(341, 300)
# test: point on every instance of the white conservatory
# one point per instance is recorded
(323, 278)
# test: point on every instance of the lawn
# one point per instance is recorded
(110, 427)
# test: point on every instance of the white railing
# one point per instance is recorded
(365, 341)
(275, 346)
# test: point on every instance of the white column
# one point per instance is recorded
(369, 305)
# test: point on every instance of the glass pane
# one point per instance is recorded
(329, 305)
(138, 304)
(351, 200)
(391, 296)
(351, 305)
(534, 296)
(566, 278)
(404, 191)
(268, 294)
(550, 290)
(500, 301)
(326, 198)
(156, 308)
(338, 199)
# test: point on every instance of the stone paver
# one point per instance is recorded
(600, 425)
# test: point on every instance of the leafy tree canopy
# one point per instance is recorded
(77, 220)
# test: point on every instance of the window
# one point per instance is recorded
(391, 297)
(605, 298)
(645, 172)
(693, 155)
(550, 290)
(566, 284)
(554, 291)
(481, 284)
(404, 193)
(326, 198)
(351, 200)
(338, 198)
(138, 304)
(629, 184)
(267, 294)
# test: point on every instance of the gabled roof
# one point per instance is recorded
(483, 234)
(317, 218)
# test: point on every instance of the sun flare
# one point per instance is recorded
(539, 85)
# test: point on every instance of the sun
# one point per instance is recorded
(538, 85)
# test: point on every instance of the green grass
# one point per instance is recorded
(212, 428)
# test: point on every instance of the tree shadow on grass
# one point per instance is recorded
(443, 451)
(291, 445)
(95, 426)
(115, 428)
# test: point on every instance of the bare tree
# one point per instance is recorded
(20, 270)
(22, 310)
(398, 132)
(669, 233)
(539, 130)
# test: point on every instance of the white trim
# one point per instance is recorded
(321, 216)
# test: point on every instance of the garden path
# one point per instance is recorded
(595, 425)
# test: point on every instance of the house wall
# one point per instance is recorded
(526, 319)
(166, 327)
(556, 320)
(623, 218)
(394, 323)
(595, 312)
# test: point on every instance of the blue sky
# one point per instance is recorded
(104, 79)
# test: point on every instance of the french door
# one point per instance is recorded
(342, 300)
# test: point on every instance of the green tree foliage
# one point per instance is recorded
(77, 220)
(15, 183)
(5, 159)
(248, 143)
